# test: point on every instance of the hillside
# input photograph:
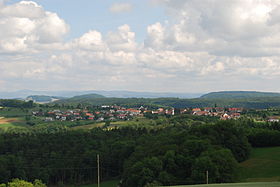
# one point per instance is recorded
(239, 94)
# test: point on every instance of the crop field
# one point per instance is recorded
(6, 123)
(8, 120)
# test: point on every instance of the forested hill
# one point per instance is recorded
(81, 98)
(240, 94)
(253, 102)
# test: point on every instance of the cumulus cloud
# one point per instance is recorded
(229, 28)
(26, 24)
(123, 39)
(120, 7)
(91, 40)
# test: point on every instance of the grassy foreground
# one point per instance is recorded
(103, 184)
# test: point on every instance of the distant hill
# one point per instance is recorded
(239, 94)
(119, 94)
(252, 102)
(133, 94)
(83, 98)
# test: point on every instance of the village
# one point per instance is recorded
(111, 113)
(115, 113)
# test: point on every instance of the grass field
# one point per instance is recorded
(263, 165)
(253, 184)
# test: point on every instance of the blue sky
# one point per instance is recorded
(147, 45)
(85, 15)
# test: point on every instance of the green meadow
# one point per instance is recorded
(263, 165)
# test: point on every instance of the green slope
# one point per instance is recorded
(263, 165)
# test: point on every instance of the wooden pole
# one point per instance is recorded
(207, 177)
(98, 172)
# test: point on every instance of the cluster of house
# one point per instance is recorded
(273, 119)
(107, 113)
(104, 113)
(169, 111)
(223, 113)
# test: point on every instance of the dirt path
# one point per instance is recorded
(8, 120)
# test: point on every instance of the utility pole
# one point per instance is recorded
(207, 177)
(98, 172)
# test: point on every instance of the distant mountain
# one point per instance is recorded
(132, 94)
(120, 94)
(239, 94)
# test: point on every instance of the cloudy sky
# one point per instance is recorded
(147, 45)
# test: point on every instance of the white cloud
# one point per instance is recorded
(156, 36)
(229, 28)
(91, 40)
(123, 39)
(121, 7)
(25, 25)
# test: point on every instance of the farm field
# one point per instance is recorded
(253, 184)
(6, 123)
(263, 165)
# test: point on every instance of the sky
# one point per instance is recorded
(190, 46)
